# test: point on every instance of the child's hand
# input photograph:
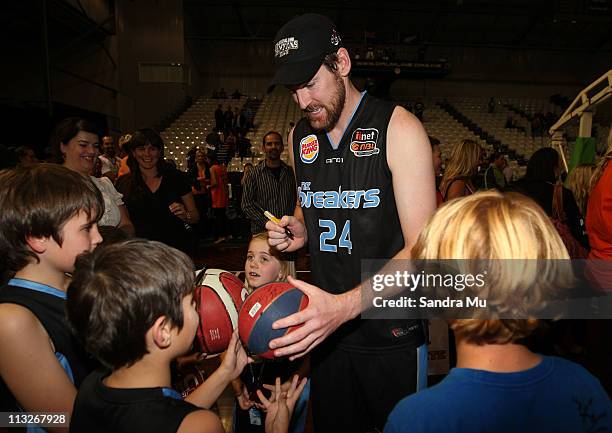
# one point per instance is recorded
(244, 401)
(280, 406)
(233, 359)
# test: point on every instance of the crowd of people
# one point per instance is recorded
(98, 295)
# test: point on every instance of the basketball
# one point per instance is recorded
(218, 295)
(261, 309)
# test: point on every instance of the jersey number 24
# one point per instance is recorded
(327, 238)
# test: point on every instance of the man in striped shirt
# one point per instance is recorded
(270, 185)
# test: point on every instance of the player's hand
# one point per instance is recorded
(324, 314)
(233, 359)
(278, 238)
(280, 405)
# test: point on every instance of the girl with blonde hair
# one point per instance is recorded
(579, 183)
(462, 166)
(266, 265)
(493, 367)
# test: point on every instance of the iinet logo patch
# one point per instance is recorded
(283, 46)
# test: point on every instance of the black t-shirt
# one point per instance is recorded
(150, 211)
(100, 409)
(348, 201)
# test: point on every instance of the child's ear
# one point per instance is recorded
(161, 332)
(37, 244)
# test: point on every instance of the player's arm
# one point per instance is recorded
(277, 237)
(409, 159)
(201, 421)
(29, 367)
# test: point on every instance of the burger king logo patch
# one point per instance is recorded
(309, 149)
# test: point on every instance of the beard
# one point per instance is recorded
(332, 111)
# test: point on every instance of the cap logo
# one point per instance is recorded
(283, 46)
(335, 38)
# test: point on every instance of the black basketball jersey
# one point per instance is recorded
(48, 305)
(100, 409)
(348, 201)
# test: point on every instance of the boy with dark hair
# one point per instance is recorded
(48, 215)
(136, 323)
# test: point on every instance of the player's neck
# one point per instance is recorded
(352, 99)
(148, 372)
(499, 358)
(43, 273)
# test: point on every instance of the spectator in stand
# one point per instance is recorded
(242, 120)
(244, 144)
(536, 125)
(219, 196)
(228, 120)
(26, 156)
(270, 186)
(460, 170)
(236, 119)
(108, 158)
(491, 105)
(222, 93)
(157, 196)
(236, 94)
(74, 144)
(494, 174)
(219, 119)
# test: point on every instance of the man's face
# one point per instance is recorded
(321, 99)
(108, 146)
(273, 146)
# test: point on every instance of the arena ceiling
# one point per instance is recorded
(566, 25)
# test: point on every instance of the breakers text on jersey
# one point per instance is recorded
(349, 199)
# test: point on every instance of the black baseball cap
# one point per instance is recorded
(300, 47)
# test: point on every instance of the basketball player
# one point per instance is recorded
(366, 188)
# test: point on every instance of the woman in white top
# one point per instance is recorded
(75, 145)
